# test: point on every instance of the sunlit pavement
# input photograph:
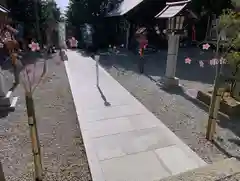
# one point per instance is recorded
(123, 140)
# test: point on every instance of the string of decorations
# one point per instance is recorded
(212, 62)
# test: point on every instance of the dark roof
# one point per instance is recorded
(124, 7)
(172, 9)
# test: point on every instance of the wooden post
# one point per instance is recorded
(34, 136)
(215, 100)
(2, 178)
(212, 120)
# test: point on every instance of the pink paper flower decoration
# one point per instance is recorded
(73, 42)
(205, 46)
(201, 63)
(223, 61)
(188, 60)
(213, 61)
(34, 46)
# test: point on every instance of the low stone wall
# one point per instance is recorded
(225, 107)
(226, 170)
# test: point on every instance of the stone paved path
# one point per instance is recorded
(177, 108)
(123, 140)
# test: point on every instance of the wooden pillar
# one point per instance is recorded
(128, 27)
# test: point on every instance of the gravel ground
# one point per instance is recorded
(63, 152)
(177, 108)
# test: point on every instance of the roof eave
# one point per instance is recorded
(178, 2)
(172, 4)
(3, 9)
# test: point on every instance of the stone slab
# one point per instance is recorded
(132, 142)
(138, 167)
(226, 170)
(173, 157)
(113, 112)
(121, 124)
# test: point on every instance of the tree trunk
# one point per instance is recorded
(34, 136)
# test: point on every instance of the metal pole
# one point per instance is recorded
(97, 57)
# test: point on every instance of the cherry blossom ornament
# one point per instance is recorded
(34, 46)
(73, 42)
(205, 46)
(201, 63)
(188, 60)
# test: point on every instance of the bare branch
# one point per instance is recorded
(42, 75)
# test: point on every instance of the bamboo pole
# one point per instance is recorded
(215, 103)
(212, 120)
(34, 136)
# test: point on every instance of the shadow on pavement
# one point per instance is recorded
(224, 151)
(231, 123)
(156, 64)
(106, 103)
